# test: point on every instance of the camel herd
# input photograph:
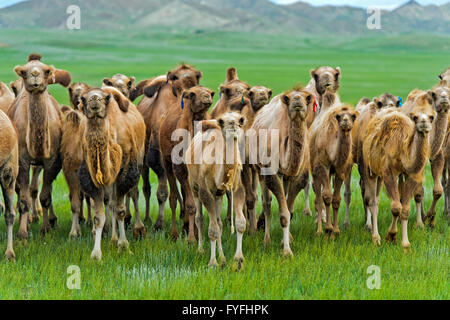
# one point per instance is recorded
(103, 144)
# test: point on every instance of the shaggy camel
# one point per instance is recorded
(330, 148)
(76, 90)
(160, 93)
(441, 99)
(6, 97)
(286, 115)
(192, 106)
(37, 117)
(218, 171)
(396, 146)
(9, 168)
(367, 110)
(113, 140)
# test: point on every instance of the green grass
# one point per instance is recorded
(161, 269)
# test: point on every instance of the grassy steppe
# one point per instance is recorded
(161, 269)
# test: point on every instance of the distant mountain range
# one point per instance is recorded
(260, 16)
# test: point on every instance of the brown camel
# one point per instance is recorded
(6, 97)
(37, 117)
(396, 146)
(284, 116)
(441, 99)
(367, 109)
(113, 139)
(122, 83)
(330, 147)
(9, 168)
(160, 93)
(214, 165)
(191, 107)
(76, 90)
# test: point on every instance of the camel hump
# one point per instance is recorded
(139, 89)
(231, 75)
(72, 116)
(61, 77)
(34, 57)
(121, 100)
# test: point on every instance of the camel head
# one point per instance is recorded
(297, 103)
(231, 124)
(76, 90)
(441, 98)
(183, 77)
(445, 76)
(122, 83)
(423, 113)
(198, 99)
(259, 96)
(387, 100)
(234, 89)
(327, 79)
(346, 118)
(35, 75)
(16, 86)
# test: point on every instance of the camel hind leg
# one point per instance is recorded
(139, 229)
(7, 182)
(437, 167)
(24, 201)
(154, 161)
(36, 208)
(241, 223)
(336, 202)
(392, 189)
(146, 190)
(50, 173)
(213, 230)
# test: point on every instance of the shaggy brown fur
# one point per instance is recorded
(196, 102)
(437, 99)
(160, 94)
(286, 113)
(113, 138)
(9, 168)
(231, 90)
(395, 145)
(331, 141)
(212, 177)
(6, 97)
(37, 117)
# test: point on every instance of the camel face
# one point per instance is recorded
(122, 83)
(200, 98)
(95, 103)
(231, 124)
(441, 97)
(423, 121)
(184, 77)
(326, 78)
(76, 90)
(387, 100)
(297, 103)
(259, 96)
(35, 75)
(234, 89)
(346, 119)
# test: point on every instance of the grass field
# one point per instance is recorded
(161, 269)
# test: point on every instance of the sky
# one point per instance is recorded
(388, 4)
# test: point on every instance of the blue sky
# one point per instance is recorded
(356, 3)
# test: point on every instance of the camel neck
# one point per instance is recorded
(38, 135)
(438, 133)
(417, 153)
(295, 146)
(344, 147)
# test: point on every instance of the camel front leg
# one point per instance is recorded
(348, 199)
(139, 229)
(182, 175)
(407, 192)
(437, 167)
(267, 210)
(275, 185)
(213, 230)
(120, 212)
(154, 160)
(51, 171)
(218, 210)
(36, 208)
(24, 202)
(199, 222)
(172, 198)
(8, 195)
(390, 181)
(241, 224)
(146, 190)
(336, 202)
(98, 223)
(250, 197)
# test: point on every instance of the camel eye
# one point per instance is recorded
(173, 78)
(70, 90)
(251, 94)
(431, 119)
(129, 84)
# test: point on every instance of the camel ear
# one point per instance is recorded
(432, 95)
(309, 99)
(314, 74)
(269, 93)
(338, 73)
(61, 77)
(221, 123)
(241, 121)
(21, 71)
(171, 77)
(213, 94)
(13, 87)
(286, 100)
(232, 74)
(440, 76)
(338, 117)
(225, 91)
(198, 75)
(131, 82)
(355, 115)
(107, 82)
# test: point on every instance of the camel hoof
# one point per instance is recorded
(96, 255)
(45, 229)
(139, 232)
(223, 260)
(114, 241)
(123, 245)
(174, 235)
(267, 241)
(238, 263)
(213, 264)
(148, 220)
(319, 233)
(346, 225)
(158, 226)
(376, 240)
(336, 232)
(74, 235)
(287, 253)
(53, 222)
(252, 231)
(368, 228)
(391, 237)
(10, 256)
(201, 251)
(307, 212)
(420, 225)
(22, 235)
(34, 219)
(185, 227)
(431, 221)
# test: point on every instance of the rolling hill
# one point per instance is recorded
(260, 16)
